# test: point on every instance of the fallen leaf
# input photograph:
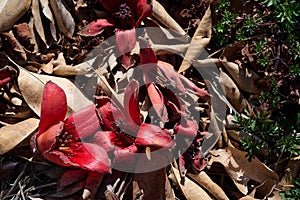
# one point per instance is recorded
(12, 135)
(15, 44)
(199, 41)
(32, 90)
(154, 185)
(47, 13)
(63, 18)
(159, 13)
(233, 94)
(205, 181)
(244, 78)
(37, 22)
(12, 11)
(189, 189)
(241, 171)
(62, 69)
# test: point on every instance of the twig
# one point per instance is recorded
(16, 181)
(21, 191)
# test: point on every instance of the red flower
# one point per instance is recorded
(123, 130)
(60, 141)
(125, 16)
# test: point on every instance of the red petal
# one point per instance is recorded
(83, 123)
(147, 54)
(125, 40)
(108, 113)
(54, 106)
(157, 101)
(105, 139)
(131, 102)
(95, 28)
(87, 156)
(125, 157)
(187, 127)
(153, 136)
(141, 9)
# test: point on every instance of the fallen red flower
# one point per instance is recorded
(125, 16)
(60, 141)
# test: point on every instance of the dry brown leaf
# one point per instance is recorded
(12, 11)
(15, 44)
(205, 181)
(37, 21)
(12, 135)
(47, 13)
(189, 189)
(232, 92)
(62, 69)
(159, 13)
(199, 41)
(241, 171)
(63, 18)
(244, 78)
(155, 185)
(31, 86)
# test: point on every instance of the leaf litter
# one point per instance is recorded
(40, 44)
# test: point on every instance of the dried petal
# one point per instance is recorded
(125, 41)
(95, 28)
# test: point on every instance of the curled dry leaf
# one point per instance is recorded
(12, 11)
(232, 92)
(64, 19)
(159, 13)
(12, 135)
(189, 189)
(244, 78)
(31, 86)
(205, 181)
(15, 44)
(199, 41)
(62, 69)
(47, 13)
(241, 171)
(36, 22)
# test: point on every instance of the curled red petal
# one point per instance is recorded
(95, 28)
(143, 10)
(157, 100)
(105, 139)
(190, 85)
(54, 106)
(153, 136)
(131, 103)
(84, 122)
(187, 127)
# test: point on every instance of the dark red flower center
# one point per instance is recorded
(125, 19)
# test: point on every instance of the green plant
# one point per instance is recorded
(294, 193)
